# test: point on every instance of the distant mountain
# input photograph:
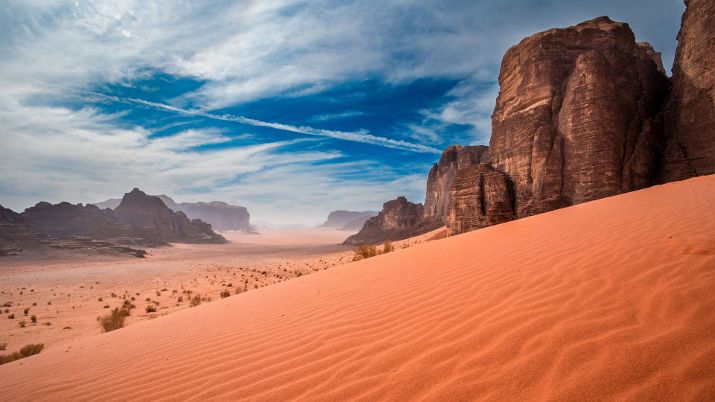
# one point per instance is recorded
(138, 219)
(220, 215)
(152, 216)
(348, 220)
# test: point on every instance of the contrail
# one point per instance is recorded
(361, 137)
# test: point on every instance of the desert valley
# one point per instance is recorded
(571, 258)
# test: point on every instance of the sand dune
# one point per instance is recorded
(609, 300)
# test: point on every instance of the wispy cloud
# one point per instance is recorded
(337, 116)
(362, 137)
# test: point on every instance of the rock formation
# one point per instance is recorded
(441, 177)
(150, 215)
(576, 118)
(347, 220)
(583, 113)
(479, 197)
(220, 215)
(399, 219)
(690, 114)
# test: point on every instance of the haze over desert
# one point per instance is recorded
(327, 200)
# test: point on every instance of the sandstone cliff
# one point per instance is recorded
(441, 177)
(576, 118)
(479, 197)
(399, 219)
(690, 114)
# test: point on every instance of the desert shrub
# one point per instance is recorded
(225, 294)
(26, 311)
(150, 308)
(364, 251)
(11, 316)
(22, 324)
(387, 247)
(3, 346)
(180, 299)
(26, 351)
(33, 319)
(113, 320)
(195, 301)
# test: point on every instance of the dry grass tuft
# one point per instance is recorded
(26, 351)
(115, 319)
(370, 250)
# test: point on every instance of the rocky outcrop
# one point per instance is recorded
(347, 220)
(154, 219)
(479, 197)
(690, 114)
(399, 219)
(576, 118)
(441, 177)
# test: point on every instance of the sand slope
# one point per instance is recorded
(609, 300)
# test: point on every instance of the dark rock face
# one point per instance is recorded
(442, 175)
(150, 215)
(65, 219)
(399, 219)
(479, 197)
(347, 220)
(19, 236)
(690, 114)
(577, 116)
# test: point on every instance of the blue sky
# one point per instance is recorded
(290, 108)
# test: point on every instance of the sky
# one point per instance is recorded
(290, 108)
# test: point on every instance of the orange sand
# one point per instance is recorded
(609, 300)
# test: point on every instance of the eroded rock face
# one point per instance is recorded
(399, 219)
(150, 215)
(690, 114)
(442, 175)
(479, 197)
(577, 116)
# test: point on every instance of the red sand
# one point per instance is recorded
(609, 300)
